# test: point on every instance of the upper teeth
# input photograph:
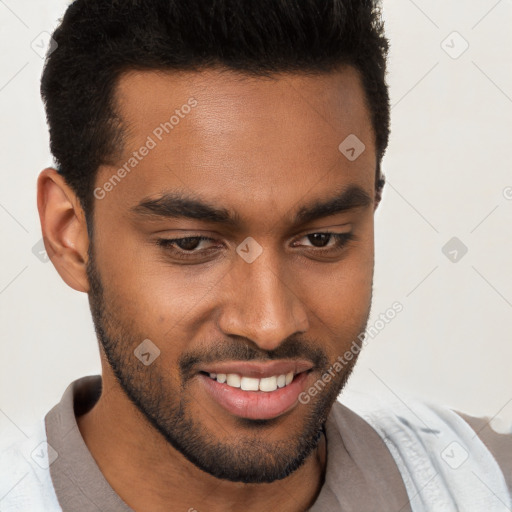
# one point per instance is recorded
(251, 384)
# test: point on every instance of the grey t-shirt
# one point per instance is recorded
(361, 474)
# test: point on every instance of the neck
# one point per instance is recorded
(149, 474)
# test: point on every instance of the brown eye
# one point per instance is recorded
(184, 247)
(187, 244)
(321, 240)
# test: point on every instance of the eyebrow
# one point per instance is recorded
(179, 205)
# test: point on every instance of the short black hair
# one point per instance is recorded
(98, 40)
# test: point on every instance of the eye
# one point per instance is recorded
(321, 240)
(184, 247)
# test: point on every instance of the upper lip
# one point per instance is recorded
(258, 370)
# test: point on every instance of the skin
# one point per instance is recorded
(262, 148)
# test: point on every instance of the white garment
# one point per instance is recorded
(444, 464)
(25, 482)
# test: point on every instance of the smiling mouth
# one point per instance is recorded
(255, 397)
(246, 383)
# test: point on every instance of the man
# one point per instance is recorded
(218, 174)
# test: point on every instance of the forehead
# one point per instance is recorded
(227, 136)
(230, 101)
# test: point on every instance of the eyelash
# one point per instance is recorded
(341, 240)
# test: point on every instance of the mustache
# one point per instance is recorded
(244, 350)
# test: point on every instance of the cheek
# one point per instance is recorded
(145, 281)
(340, 289)
(338, 296)
(342, 296)
(147, 298)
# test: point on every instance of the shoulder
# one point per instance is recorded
(442, 460)
(25, 480)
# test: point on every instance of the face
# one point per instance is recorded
(239, 245)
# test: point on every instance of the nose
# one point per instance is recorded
(262, 303)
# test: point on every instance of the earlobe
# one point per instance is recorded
(64, 228)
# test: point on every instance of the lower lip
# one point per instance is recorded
(255, 405)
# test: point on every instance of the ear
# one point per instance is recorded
(378, 192)
(64, 228)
